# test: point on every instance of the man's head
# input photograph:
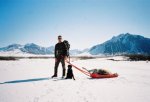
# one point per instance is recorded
(59, 38)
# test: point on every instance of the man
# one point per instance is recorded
(60, 56)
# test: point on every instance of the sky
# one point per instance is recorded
(83, 23)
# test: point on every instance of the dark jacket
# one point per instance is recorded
(60, 50)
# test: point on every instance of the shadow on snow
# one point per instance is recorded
(26, 80)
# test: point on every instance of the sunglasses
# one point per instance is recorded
(59, 38)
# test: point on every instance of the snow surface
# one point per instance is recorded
(18, 53)
(27, 80)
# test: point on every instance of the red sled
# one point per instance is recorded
(94, 75)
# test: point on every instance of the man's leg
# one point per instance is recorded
(56, 68)
(63, 66)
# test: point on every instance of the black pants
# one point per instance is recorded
(62, 60)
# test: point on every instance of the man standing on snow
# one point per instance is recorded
(60, 56)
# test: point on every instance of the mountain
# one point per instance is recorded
(123, 44)
(75, 52)
(35, 49)
(78, 52)
(117, 45)
(30, 48)
(11, 47)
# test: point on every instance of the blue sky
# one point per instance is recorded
(83, 22)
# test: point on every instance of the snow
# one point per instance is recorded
(84, 54)
(29, 82)
(18, 53)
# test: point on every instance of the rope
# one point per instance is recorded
(84, 72)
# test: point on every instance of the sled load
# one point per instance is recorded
(101, 73)
(95, 75)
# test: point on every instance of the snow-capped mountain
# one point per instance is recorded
(78, 52)
(11, 47)
(123, 44)
(30, 48)
(35, 49)
(75, 52)
(118, 45)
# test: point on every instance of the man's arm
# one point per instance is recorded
(55, 50)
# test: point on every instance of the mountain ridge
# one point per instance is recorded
(123, 44)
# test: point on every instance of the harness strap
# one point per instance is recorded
(84, 72)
